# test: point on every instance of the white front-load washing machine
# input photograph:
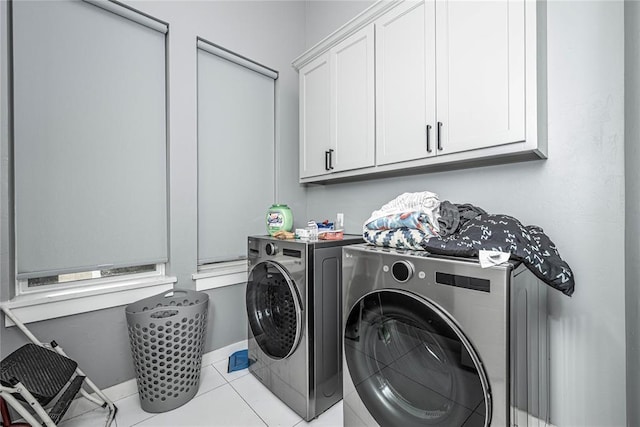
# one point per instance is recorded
(440, 341)
(293, 303)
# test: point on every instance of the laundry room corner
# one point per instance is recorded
(149, 142)
(577, 196)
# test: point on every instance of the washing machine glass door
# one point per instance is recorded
(411, 365)
(274, 309)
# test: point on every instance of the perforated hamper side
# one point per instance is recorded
(167, 336)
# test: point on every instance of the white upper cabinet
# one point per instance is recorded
(337, 108)
(315, 117)
(455, 82)
(352, 102)
(480, 59)
(405, 83)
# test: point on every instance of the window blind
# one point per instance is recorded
(236, 125)
(89, 138)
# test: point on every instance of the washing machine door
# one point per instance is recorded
(411, 365)
(274, 310)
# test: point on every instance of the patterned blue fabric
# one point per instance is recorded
(413, 220)
(401, 238)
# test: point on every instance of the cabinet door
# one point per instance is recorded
(315, 117)
(405, 83)
(352, 63)
(480, 73)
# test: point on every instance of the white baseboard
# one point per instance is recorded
(530, 420)
(130, 387)
(122, 390)
(222, 353)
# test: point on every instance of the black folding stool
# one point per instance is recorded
(38, 374)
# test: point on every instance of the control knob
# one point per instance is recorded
(402, 271)
(271, 249)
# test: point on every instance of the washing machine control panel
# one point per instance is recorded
(403, 271)
(271, 249)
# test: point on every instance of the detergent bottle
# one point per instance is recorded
(279, 217)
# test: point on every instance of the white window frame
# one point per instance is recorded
(235, 271)
(226, 272)
(221, 274)
(85, 295)
(23, 288)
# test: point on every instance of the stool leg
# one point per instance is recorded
(4, 411)
(6, 418)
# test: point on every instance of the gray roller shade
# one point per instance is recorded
(89, 139)
(236, 117)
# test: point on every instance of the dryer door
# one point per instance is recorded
(411, 365)
(274, 310)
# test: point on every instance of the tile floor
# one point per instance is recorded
(235, 399)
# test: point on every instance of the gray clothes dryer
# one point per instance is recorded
(440, 341)
(293, 303)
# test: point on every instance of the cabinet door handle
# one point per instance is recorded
(439, 136)
(326, 160)
(330, 159)
(429, 150)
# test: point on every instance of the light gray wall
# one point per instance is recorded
(576, 196)
(6, 189)
(270, 33)
(632, 211)
(323, 17)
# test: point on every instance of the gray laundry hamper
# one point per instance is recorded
(167, 335)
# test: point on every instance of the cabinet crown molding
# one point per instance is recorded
(359, 21)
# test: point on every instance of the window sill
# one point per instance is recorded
(66, 302)
(221, 275)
